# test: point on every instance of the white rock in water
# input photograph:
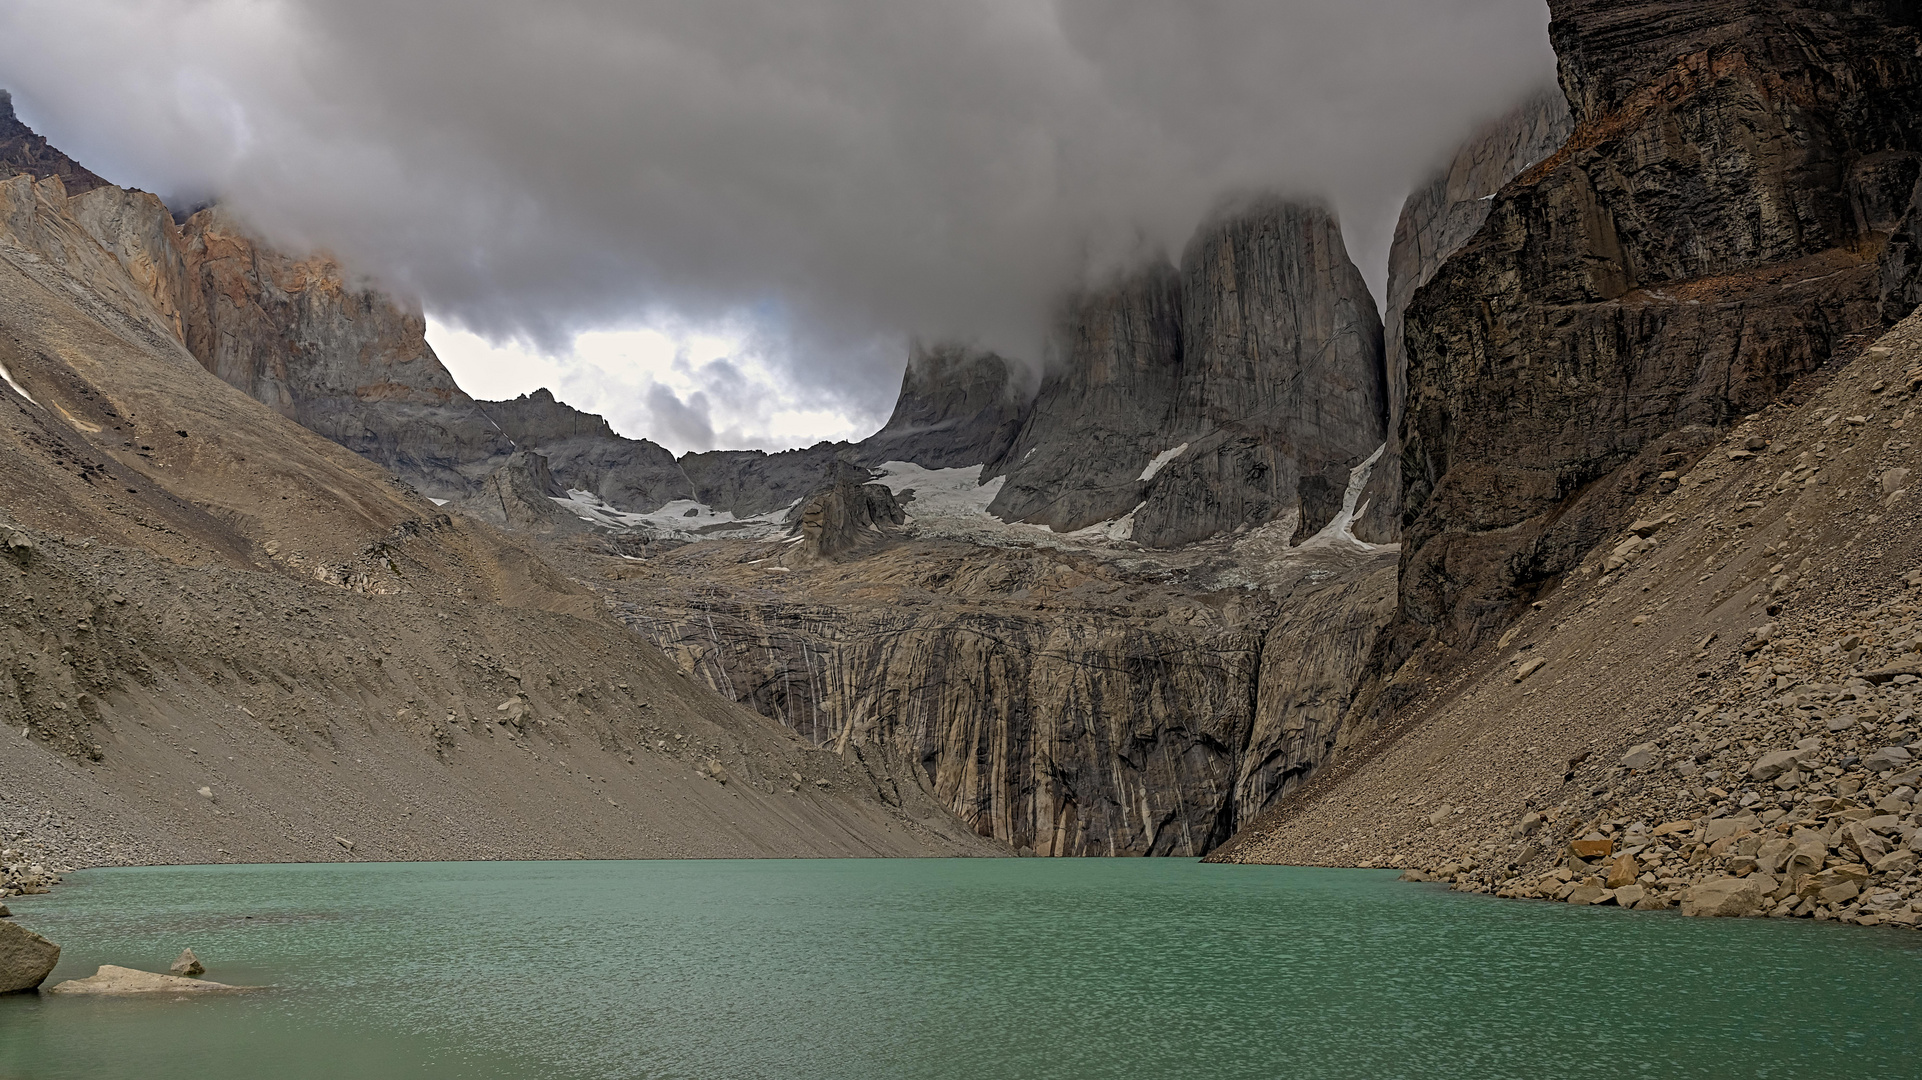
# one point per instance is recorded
(119, 980)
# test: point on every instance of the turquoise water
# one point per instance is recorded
(1033, 969)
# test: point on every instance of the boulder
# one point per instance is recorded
(1591, 849)
(1623, 871)
(25, 958)
(1889, 757)
(1725, 897)
(111, 980)
(1773, 765)
(1629, 895)
(1583, 895)
(188, 966)
(1640, 758)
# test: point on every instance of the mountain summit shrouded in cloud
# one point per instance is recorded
(831, 175)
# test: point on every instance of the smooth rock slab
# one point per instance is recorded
(26, 958)
(118, 981)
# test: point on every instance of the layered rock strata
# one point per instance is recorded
(1436, 221)
(1762, 759)
(1692, 249)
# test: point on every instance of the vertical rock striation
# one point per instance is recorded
(1282, 388)
(1698, 243)
(1243, 387)
(1097, 424)
(1436, 221)
(958, 407)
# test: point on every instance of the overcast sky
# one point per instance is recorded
(719, 221)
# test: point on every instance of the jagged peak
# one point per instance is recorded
(22, 150)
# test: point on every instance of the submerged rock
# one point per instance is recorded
(112, 980)
(26, 958)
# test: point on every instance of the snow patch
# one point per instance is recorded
(1160, 462)
(17, 388)
(1340, 532)
(673, 519)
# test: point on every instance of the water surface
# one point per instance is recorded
(1029, 969)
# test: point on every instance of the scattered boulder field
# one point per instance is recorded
(1716, 713)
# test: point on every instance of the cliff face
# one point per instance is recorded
(1712, 229)
(958, 407)
(198, 594)
(1097, 424)
(1282, 389)
(584, 454)
(1437, 220)
(1243, 387)
(1064, 702)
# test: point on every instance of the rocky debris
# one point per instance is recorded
(113, 981)
(1435, 222)
(187, 966)
(958, 406)
(1763, 761)
(846, 517)
(21, 878)
(26, 958)
(1558, 363)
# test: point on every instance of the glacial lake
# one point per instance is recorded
(1026, 969)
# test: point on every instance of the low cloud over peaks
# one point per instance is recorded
(840, 174)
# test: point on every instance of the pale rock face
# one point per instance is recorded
(26, 958)
(1436, 221)
(1282, 389)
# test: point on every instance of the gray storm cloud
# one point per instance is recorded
(839, 174)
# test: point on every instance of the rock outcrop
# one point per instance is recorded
(23, 151)
(520, 495)
(1064, 702)
(847, 516)
(959, 406)
(224, 637)
(1242, 388)
(749, 483)
(1693, 248)
(111, 980)
(1436, 221)
(26, 958)
(584, 453)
